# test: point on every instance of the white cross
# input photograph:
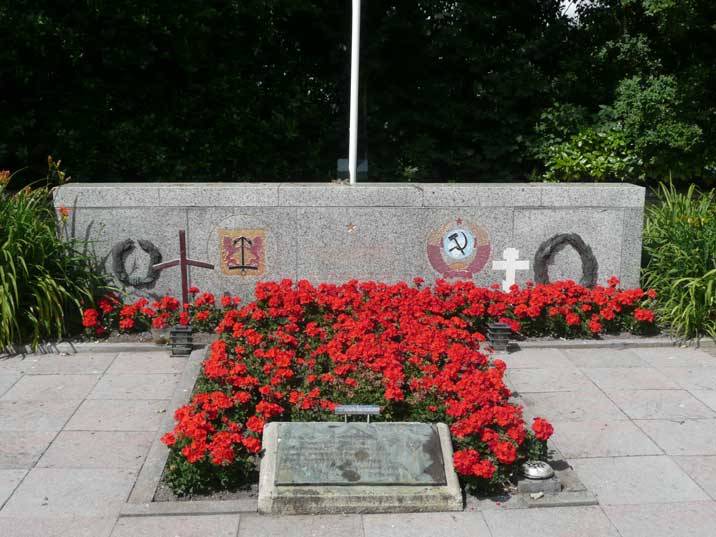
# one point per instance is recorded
(510, 265)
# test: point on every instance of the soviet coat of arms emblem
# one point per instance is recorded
(458, 249)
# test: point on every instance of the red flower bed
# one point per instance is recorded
(297, 351)
(204, 314)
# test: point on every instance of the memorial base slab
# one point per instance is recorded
(278, 496)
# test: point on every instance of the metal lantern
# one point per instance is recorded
(499, 335)
(181, 340)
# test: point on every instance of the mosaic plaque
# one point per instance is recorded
(458, 249)
(242, 252)
(359, 454)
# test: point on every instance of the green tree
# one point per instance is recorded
(651, 114)
(258, 89)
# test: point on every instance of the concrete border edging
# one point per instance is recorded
(70, 347)
(153, 467)
(616, 343)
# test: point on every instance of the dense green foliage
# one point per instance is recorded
(43, 280)
(680, 245)
(450, 90)
(637, 96)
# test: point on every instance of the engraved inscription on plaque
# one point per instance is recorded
(359, 454)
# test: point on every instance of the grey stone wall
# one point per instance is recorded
(333, 232)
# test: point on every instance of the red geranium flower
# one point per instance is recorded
(542, 429)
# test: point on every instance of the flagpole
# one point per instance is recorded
(355, 59)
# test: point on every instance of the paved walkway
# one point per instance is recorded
(639, 427)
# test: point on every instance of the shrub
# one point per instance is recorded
(680, 249)
(44, 280)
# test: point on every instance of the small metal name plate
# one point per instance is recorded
(357, 410)
(326, 453)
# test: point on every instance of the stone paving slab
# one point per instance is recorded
(615, 358)
(708, 397)
(29, 526)
(702, 469)
(75, 469)
(301, 526)
(637, 480)
(144, 386)
(118, 415)
(55, 492)
(97, 449)
(36, 416)
(618, 343)
(555, 522)
(694, 378)
(687, 437)
(688, 519)
(629, 378)
(573, 406)
(151, 473)
(7, 380)
(22, 449)
(51, 387)
(9, 479)
(667, 357)
(535, 359)
(467, 524)
(147, 362)
(660, 404)
(59, 364)
(580, 439)
(13, 364)
(549, 380)
(190, 508)
(178, 526)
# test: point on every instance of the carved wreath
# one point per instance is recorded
(550, 247)
(121, 250)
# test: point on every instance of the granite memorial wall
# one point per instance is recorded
(484, 232)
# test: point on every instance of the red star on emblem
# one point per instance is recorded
(459, 221)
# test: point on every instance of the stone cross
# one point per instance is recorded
(510, 265)
(183, 263)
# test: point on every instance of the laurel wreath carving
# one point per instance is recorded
(550, 247)
(121, 250)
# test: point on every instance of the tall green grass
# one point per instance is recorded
(680, 249)
(44, 280)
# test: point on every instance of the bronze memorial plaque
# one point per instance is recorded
(327, 453)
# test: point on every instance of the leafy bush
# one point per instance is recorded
(592, 156)
(680, 245)
(44, 280)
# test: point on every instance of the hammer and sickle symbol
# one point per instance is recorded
(458, 246)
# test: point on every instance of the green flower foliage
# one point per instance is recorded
(680, 248)
(44, 280)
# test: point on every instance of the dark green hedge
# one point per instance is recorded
(257, 90)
